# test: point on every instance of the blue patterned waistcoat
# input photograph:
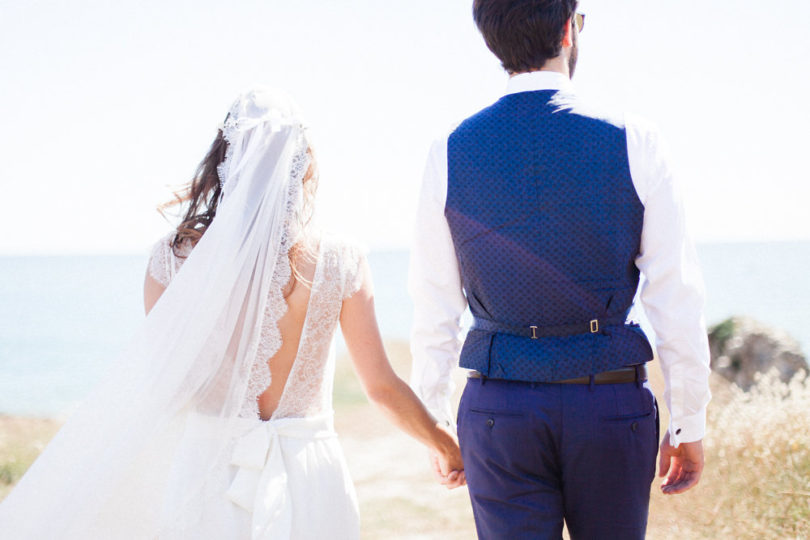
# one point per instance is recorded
(546, 224)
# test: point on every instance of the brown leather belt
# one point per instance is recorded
(616, 376)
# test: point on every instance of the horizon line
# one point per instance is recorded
(381, 248)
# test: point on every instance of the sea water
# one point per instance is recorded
(63, 319)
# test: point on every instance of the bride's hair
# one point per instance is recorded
(202, 195)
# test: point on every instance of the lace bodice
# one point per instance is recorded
(308, 390)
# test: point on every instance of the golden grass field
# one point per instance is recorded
(756, 484)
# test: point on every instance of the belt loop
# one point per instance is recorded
(638, 375)
(591, 382)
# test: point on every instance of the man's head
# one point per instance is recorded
(525, 34)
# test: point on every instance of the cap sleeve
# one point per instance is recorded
(355, 264)
(161, 260)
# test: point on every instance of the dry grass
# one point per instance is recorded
(21, 441)
(756, 484)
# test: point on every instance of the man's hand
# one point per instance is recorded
(448, 477)
(446, 460)
(684, 465)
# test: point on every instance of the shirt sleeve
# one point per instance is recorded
(672, 293)
(434, 284)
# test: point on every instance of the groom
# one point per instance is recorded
(540, 213)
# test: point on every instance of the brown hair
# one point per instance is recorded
(523, 34)
(202, 195)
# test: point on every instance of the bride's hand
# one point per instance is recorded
(447, 463)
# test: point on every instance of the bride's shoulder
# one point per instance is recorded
(163, 242)
(343, 248)
(347, 255)
(164, 258)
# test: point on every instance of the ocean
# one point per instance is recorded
(63, 318)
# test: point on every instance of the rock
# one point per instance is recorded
(741, 347)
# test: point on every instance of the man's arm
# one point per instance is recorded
(673, 300)
(434, 284)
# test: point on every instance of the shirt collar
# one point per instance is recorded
(538, 80)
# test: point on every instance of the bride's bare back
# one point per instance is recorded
(291, 326)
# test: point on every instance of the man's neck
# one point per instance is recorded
(558, 64)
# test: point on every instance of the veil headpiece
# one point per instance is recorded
(270, 108)
(136, 458)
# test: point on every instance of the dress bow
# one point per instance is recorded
(261, 482)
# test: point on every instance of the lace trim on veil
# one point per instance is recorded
(163, 265)
(276, 307)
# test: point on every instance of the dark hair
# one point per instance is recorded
(523, 34)
(202, 195)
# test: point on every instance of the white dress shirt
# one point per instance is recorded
(672, 293)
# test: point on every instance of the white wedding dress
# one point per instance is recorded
(287, 476)
(170, 443)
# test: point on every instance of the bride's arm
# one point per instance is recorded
(152, 289)
(387, 390)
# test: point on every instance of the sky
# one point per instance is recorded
(109, 105)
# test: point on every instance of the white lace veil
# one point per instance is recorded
(137, 459)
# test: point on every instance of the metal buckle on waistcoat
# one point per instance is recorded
(594, 326)
(534, 332)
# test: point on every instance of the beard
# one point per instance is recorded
(572, 57)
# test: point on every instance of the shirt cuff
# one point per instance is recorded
(444, 414)
(687, 428)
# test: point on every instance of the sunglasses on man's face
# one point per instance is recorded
(579, 21)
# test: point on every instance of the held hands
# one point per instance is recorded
(446, 462)
(684, 465)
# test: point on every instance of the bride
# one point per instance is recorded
(216, 420)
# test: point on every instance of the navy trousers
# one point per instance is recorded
(536, 454)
